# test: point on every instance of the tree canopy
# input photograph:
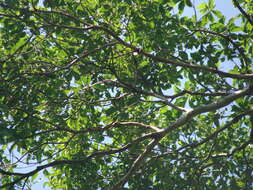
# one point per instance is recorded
(126, 94)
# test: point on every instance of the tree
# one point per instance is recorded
(126, 94)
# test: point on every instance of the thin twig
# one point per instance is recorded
(243, 12)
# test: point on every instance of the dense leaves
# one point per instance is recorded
(125, 94)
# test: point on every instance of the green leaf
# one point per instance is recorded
(236, 29)
(99, 82)
(188, 3)
(211, 4)
(181, 6)
(183, 55)
(217, 13)
(35, 176)
(203, 8)
(20, 42)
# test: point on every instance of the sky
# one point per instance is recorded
(225, 6)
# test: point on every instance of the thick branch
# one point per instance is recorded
(181, 121)
(213, 135)
(207, 108)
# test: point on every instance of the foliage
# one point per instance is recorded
(125, 94)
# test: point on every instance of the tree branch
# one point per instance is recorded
(227, 125)
(243, 12)
(63, 162)
(206, 108)
(181, 121)
(168, 61)
(136, 165)
(213, 135)
(239, 49)
(153, 57)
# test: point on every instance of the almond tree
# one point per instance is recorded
(130, 94)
